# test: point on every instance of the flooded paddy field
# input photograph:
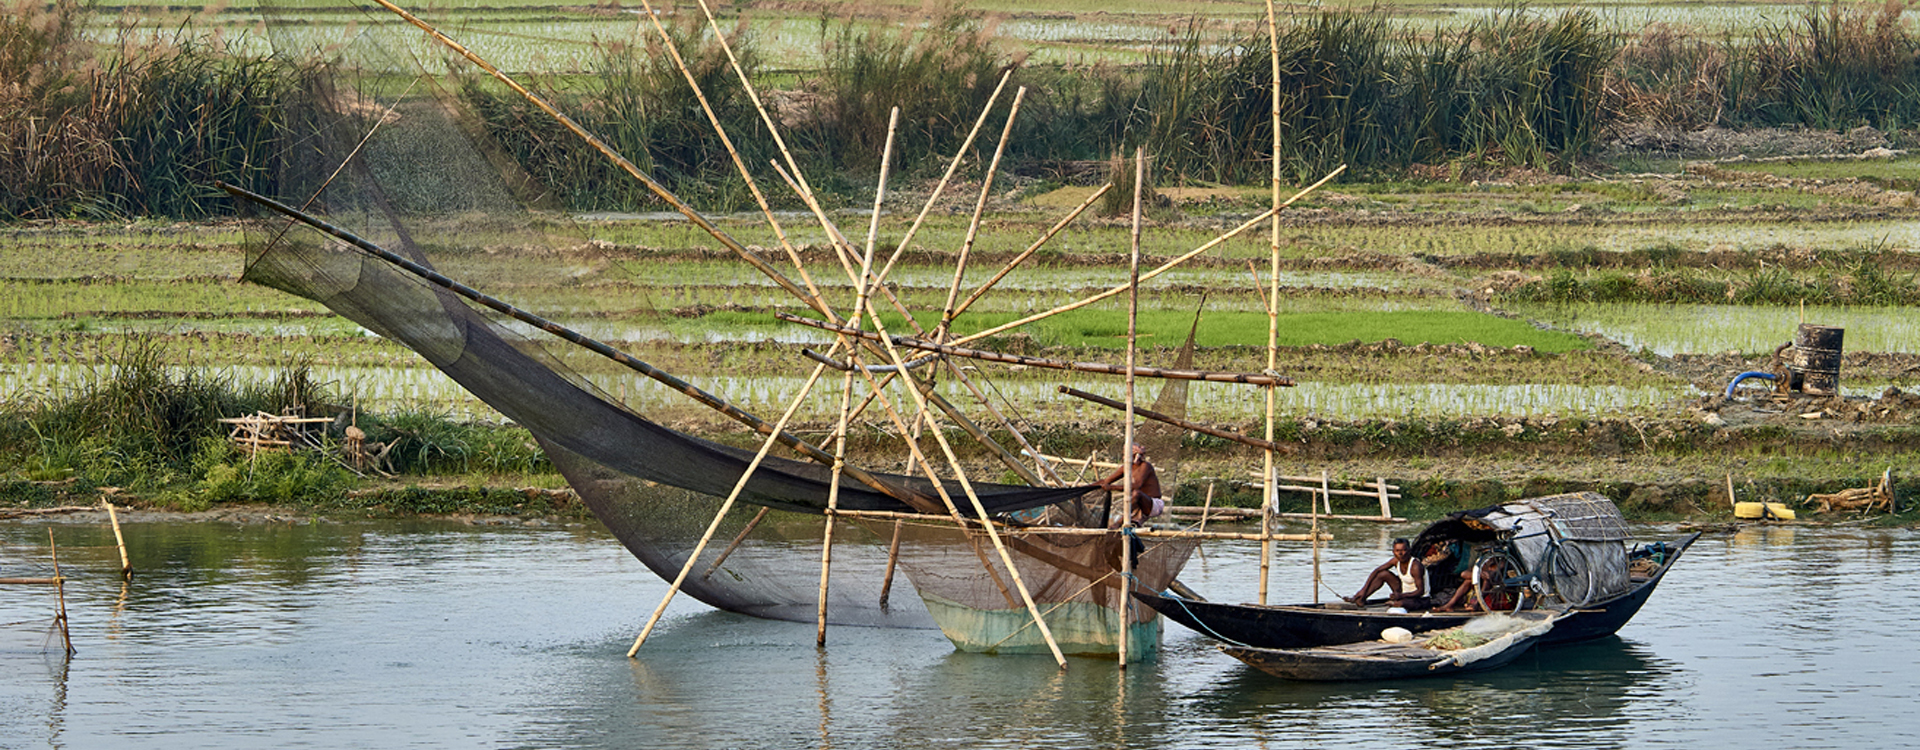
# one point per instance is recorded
(682, 304)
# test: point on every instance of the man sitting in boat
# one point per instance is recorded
(1404, 577)
(1146, 483)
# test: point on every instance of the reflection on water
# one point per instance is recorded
(435, 634)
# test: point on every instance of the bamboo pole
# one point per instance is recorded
(1133, 335)
(1050, 364)
(735, 544)
(1010, 533)
(1267, 503)
(947, 311)
(738, 486)
(1272, 299)
(893, 559)
(594, 345)
(60, 592)
(1206, 509)
(1314, 509)
(1326, 491)
(833, 498)
(1314, 529)
(1031, 249)
(846, 389)
(126, 567)
(1178, 422)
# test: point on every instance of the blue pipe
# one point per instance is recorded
(1748, 374)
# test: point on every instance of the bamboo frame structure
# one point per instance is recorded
(888, 348)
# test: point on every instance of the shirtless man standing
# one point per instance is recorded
(1146, 486)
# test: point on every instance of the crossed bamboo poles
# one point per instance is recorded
(866, 281)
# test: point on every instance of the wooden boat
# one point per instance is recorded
(1307, 625)
(1509, 636)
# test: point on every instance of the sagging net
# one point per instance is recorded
(389, 154)
(1076, 578)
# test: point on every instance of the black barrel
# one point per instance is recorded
(1815, 367)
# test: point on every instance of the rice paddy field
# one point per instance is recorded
(1491, 307)
(1432, 274)
(553, 37)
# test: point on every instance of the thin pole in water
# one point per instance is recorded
(1133, 334)
(126, 568)
(60, 592)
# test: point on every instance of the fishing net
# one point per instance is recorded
(388, 152)
(1075, 577)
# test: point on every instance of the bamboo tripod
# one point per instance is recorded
(929, 409)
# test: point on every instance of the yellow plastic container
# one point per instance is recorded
(1776, 511)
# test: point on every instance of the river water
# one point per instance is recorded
(430, 633)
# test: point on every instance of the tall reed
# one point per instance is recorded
(637, 100)
(939, 68)
(131, 127)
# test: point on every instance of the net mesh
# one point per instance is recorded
(1075, 577)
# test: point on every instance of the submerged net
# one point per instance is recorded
(1075, 577)
(422, 182)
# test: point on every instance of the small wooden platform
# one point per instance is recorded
(261, 431)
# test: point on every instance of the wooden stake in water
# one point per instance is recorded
(60, 591)
(893, 559)
(1206, 508)
(126, 568)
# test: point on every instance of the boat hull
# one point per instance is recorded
(1309, 625)
(1512, 635)
(1329, 665)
